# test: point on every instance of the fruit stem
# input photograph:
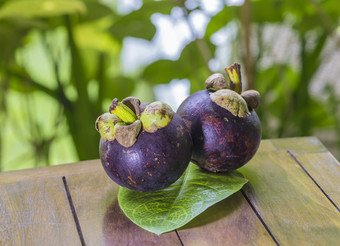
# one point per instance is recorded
(234, 75)
(122, 111)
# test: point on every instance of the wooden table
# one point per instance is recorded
(292, 198)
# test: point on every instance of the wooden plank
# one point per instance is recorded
(299, 145)
(102, 222)
(325, 170)
(36, 212)
(229, 222)
(266, 145)
(49, 172)
(77, 167)
(292, 206)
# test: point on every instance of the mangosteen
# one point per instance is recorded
(143, 147)
(224, 127)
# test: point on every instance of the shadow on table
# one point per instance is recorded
(216, 212)
(119, 230)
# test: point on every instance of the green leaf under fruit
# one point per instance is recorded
(170, 208)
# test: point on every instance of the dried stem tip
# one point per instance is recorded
(122, 111)
(234, 74)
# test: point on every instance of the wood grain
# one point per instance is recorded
(325, 170)
(36, 212)
(101, 220)
(49, 172)
(229, 222)
(295, 210)
(299, 145)
(34, 209)
(266, 145)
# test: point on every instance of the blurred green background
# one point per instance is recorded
(63, 61)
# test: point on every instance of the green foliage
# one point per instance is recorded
(137, 24)
(41, 8)
(191, 65)
(63, 59)
(171, 208)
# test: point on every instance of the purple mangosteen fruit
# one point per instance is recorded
(143, 147)
(225, 129)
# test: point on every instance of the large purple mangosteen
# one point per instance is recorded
(143, 151)
(225, 129)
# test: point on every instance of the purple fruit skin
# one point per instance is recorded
(221, 141)
(154, 162)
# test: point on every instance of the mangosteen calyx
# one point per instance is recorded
(229, 95)
(126, 135)
(252, 98)
(121, 123)
(125, 121)
(231, 101)
(122, 111)
(134, 104)
(216, 81)
(156, 116)
(105, 124)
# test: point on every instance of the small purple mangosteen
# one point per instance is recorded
(225, 129)
(143, 147)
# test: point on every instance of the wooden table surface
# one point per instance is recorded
(292, 198)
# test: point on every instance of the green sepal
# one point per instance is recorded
(156, 116)
(231, 101)
(105, 124)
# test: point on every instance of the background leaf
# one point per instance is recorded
(168, 209)
(138, 23)
(190, 65)
(221, 19)
(41, 8)
(119, 86)
(266, 11)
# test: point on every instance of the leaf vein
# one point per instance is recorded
(185, 178)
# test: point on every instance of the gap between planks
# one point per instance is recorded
(74, 213)
(76, 220)
(310, 176)
(259, 217)
(81, 237)
(179, 238)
